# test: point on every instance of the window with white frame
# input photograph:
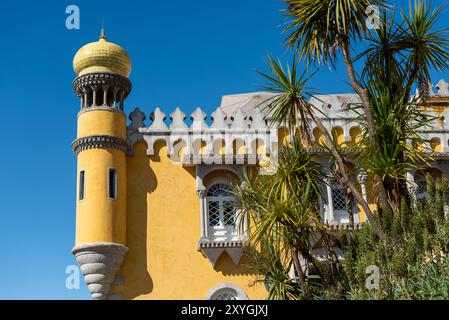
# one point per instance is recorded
(221, 212)
(339, 203)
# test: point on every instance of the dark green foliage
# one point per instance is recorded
(416, 266)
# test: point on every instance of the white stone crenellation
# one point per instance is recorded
(241, 120)
(249, 131)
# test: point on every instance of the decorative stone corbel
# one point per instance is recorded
(99, 263)
(214, 249)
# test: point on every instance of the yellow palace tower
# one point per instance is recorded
(102, 85)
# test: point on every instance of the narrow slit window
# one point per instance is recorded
(112, 184)
(81, 186)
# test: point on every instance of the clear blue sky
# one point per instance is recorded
(184, 53)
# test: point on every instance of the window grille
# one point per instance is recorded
(221, 212)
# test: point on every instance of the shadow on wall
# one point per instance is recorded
(141, 181)
(227, 268)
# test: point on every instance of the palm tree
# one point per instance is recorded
(291, 107)
(321, 28)
(318, 31)
(283, 209)
(399, 56)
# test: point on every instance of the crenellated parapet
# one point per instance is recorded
(239, 138)
(237, 132)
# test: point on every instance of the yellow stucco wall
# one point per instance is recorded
(99, 219)
(110, 122)
(163, 228)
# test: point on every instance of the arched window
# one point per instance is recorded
(221, 212)
(226, 291)
(225, 294)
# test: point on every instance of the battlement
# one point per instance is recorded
(239, 130)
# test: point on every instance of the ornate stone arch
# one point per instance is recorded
(211, 248)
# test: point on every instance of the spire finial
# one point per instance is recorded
(102, 33)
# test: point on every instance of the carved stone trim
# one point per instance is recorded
(335, 226)
(201, 193)
(99, 142)
(248, 159)
(88, 81)
(214, 249)
(220, 244)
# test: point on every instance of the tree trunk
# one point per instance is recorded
(346, 181)
(297, 265)
(366, 103)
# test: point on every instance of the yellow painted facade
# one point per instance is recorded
(102, 122)
(162, 233)
(100, 219)
(152, 227)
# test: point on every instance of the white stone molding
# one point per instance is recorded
(237, 130)
(240, 294)
(99, 263)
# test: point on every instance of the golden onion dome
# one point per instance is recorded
(102, 57)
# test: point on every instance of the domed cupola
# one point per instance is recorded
(102, 57)
(102, 69)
